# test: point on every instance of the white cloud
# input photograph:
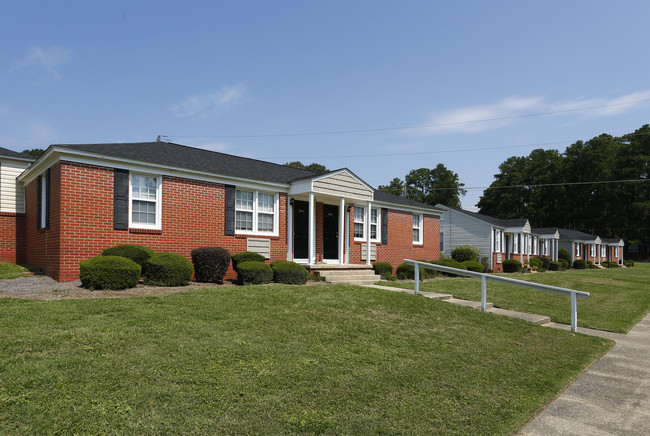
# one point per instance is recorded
(207, 103)
(48, 59)
(513, 109)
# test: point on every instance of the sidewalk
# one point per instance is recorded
(610, 398)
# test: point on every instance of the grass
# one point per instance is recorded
(11, 271)
(276, 359)
(619, 298)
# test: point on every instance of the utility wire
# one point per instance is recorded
(416, 126)
(541, 185)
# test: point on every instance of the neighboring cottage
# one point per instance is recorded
(549, 238)
(80, 199)
(12, 206)
(497, 239)
(592, 248)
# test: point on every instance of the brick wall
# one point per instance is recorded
(192, 216)
(12, 237)
(400, 240)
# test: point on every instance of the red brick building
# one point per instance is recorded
(80, 199)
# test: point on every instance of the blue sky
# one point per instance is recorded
(265, 79)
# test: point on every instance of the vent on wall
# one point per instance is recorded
(259, 246)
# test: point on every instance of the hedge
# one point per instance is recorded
(168, 269)
(289, 273)
(536, 262)
(245, 256)
(384, 269)
(589, 263)
(564, 254)
(628, 263)
(471, 265)
(579, 264)
(555, 266)
(210, 264)
(449, 263)
(546, 262)
(136, 253)
(109, 272)
(608, 264)
(465, 252)
(511, 266)
(251, 272)
(406, 271)
(565, 264)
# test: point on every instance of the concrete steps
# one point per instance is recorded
(354, 277)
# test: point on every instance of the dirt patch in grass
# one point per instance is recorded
(45, 288)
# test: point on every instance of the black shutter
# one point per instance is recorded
(384, 225)
(39, 197)
(47, 199)
(121, 200)
(229, 228)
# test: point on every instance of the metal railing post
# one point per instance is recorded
(483, 293)
(574, 312)
(417, 278)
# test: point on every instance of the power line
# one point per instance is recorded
(416, 126)
(541, 185)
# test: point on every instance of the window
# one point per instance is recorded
(577, 249)
(145, 201)
(616, 250)
(592, 250)
(255, 212)
(442, 241)
(43, 200)
(417, 229)
(515, 244)
(360, 223)
(603, 251)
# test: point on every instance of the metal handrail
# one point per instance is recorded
(485, 277)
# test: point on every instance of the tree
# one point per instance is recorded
(396, 187)
(315, 167)
(34, 152)
(438, 185)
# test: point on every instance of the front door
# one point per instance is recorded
(330, 232)
(300, 229)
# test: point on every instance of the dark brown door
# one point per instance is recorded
(330, 232)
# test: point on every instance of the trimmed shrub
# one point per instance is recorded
(470, 265)
(546, 262)
(536, 262)
(449, 263)
(555, 266)
(628, 263)
(565, 264)
(289, 273)
(608, 264)
(580, 264)
(465, 252)
(512, 265)
(564, 254)
(109, 272)
(245, 256)
(136, 253)
(384, 269)
(589, 263)
(251, 272)
(168, 269)
(406, 271)
(210, 264)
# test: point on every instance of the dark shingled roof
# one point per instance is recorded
(544, 230)
(11, 153)
(513, 222)
(610, 240)
(167, 153)
(575, 235)
(390, 198)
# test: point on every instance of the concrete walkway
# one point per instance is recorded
(612, 397)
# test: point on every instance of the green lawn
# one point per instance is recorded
(333, 359)
(11, 271)
(619, 298)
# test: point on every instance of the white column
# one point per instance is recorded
(492, 245)
(620, 252)
(368, 233)
(347, 236)
(311, 243)
(289, 230)
(341, 231)
(529, 243)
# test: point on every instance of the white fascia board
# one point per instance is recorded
(56, 154)
(405, 208)
(515, 230)
(17, 159)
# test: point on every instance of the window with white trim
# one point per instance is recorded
(616, 250)
(255, 212)
(360, 223)
(577, 249)
(603, 251)
(497, 240)
(592, 250)
(442, 241)
(417, 229)
(43, 202)
(515, 243)
(145, 201)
